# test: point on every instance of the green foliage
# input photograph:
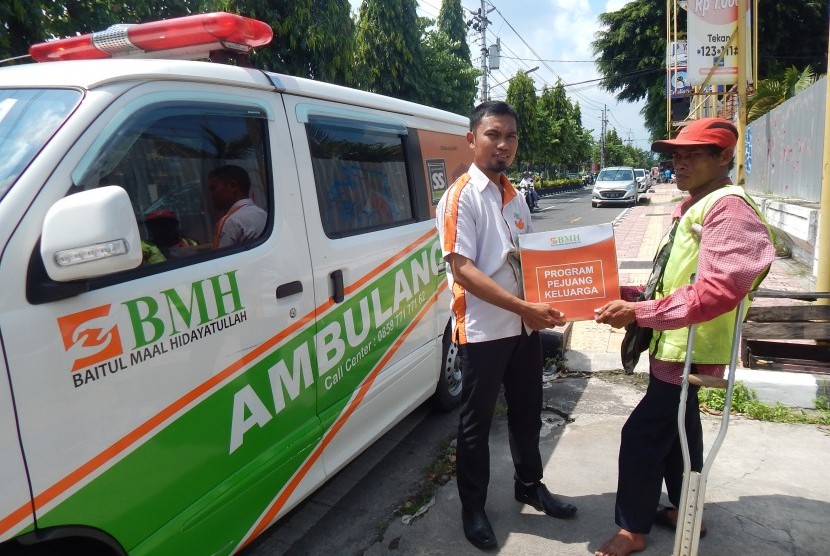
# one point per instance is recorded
(451, 23)
(521, 95)
(791, 33)
(745, 401)
(452, 80)
(21, 27)
(312, 38)
(388, 49)
(617, 153)
(774, 91)
(630, 50)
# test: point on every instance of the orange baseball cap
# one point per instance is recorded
(705, 131)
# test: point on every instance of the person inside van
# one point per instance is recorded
(230, 187)
(164, 239)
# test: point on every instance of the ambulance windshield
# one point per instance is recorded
(28, 119)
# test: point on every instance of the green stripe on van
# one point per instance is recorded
(200, 484)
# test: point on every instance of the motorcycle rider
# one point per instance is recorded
(528, 189)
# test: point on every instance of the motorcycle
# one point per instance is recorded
(530, 198)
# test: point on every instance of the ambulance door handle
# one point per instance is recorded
(289, 288)
(337, 282)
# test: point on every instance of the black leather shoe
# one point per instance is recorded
(538, 496)
(477, 529)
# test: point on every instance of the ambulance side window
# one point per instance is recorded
(360, 174)
(169, 158)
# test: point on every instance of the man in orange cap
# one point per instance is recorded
(720, 237)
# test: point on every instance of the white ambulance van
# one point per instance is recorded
(162, 392)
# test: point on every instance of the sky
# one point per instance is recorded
(555, 36)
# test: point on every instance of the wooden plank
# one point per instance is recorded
(789, 365)
(786, 330)
(780, 313)
(786, 294)
(772, 348)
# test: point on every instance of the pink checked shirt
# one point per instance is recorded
(734, 250)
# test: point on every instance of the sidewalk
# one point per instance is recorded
(596, 347)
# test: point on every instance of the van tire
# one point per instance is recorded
(448, 390)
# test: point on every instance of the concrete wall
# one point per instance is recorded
(797, 225)
(785, 147)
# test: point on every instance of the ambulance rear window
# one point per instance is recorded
(28, 119)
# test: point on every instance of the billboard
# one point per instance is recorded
(711, 24)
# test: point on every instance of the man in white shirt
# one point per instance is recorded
(230, 188)
(479, 219)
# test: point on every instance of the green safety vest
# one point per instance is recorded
(713, 339)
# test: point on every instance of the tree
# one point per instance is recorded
(615, 150)
(388, 49)
(631, 56)
(582, 141)
(792, 33)
(631, 48)
(26, 22)
(773, 92)
(549, 121)
(451, 23)
(21, 26)
(86, 16)
(521, 95)
(452, 80)
(312, 38)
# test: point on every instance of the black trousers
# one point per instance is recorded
(515, 362)
(650, 453)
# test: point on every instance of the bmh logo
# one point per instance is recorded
(90, 344)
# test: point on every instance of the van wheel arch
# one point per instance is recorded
(63, 541)
(448, 390)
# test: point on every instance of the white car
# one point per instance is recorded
(644, 182)
(615, 184)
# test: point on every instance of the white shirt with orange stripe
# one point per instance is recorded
(475, 221)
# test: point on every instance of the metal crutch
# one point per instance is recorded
(690, 511)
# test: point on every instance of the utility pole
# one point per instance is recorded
(740, 154)
(602, 138)
(479, 23)
(823, 240)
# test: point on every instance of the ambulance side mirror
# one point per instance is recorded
(89, 234)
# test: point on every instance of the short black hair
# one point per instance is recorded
(232, 172)
(491, 107)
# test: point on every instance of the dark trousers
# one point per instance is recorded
(515, 362)
(650, 453)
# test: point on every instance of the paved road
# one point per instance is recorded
(571, 210)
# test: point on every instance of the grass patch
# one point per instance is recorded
(437, 474)
(746, 402)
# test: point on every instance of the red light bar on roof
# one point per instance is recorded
(193, 36)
